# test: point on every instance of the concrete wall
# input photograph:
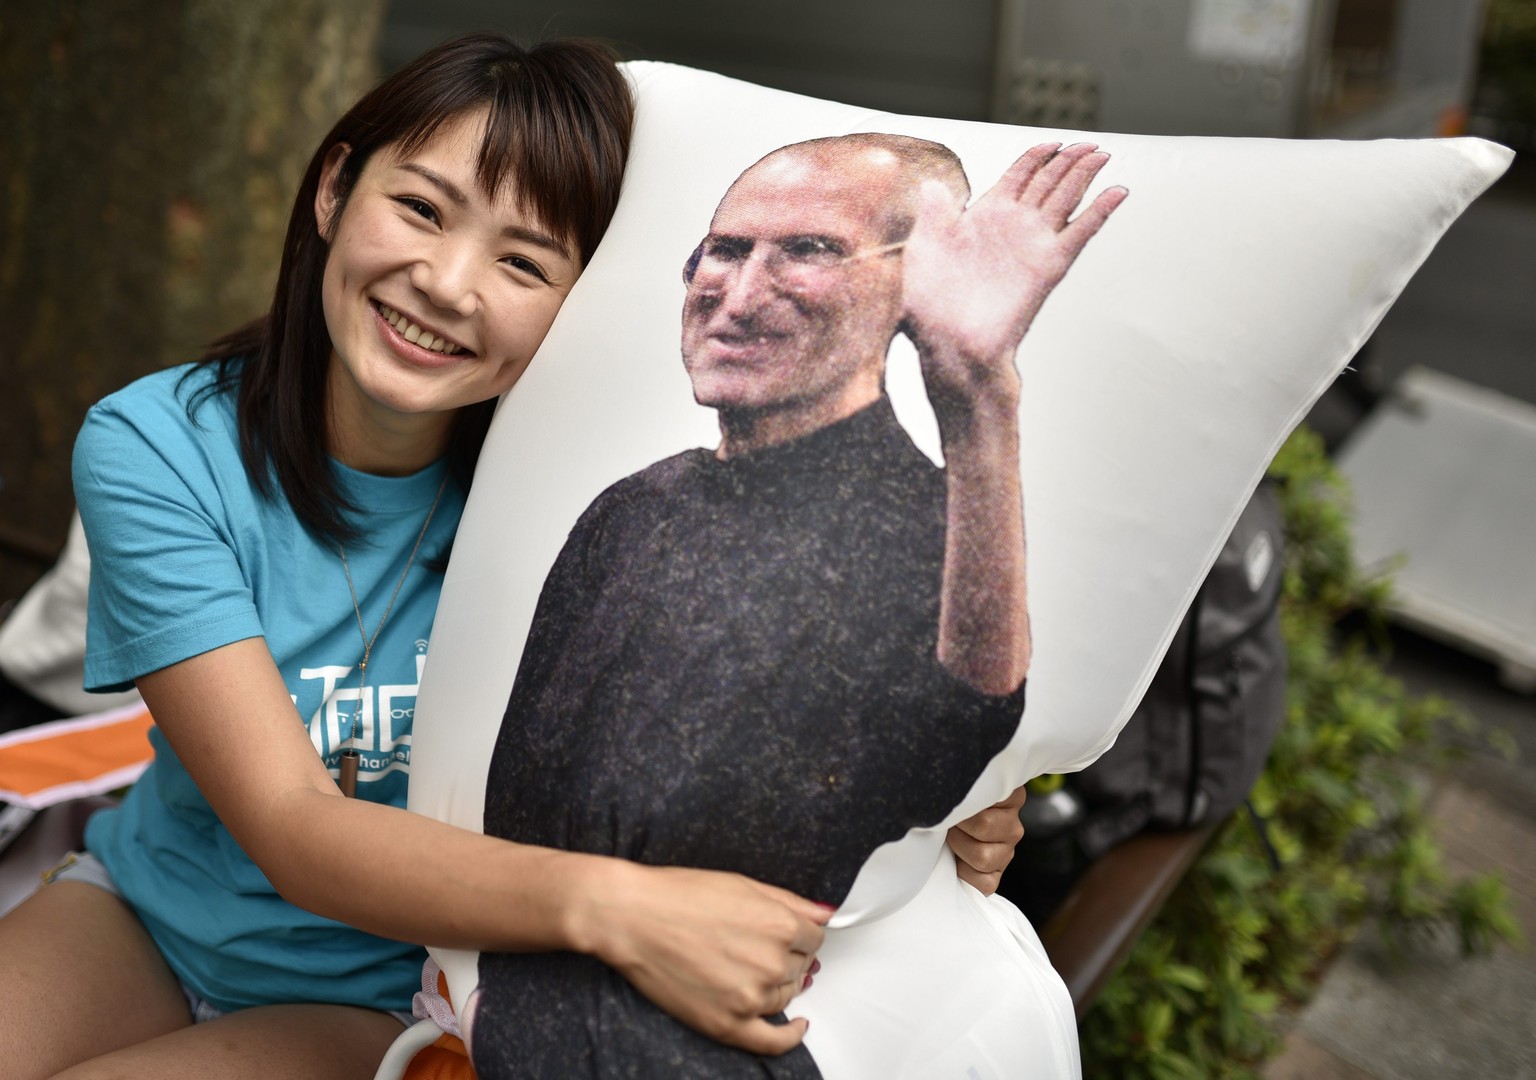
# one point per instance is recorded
(910, 56)
(1149, 78)
(1111, 65)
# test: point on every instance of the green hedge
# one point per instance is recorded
(1239, 938)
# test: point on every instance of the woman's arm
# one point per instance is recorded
(718, 951)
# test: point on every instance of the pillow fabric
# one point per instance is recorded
(1158, 378)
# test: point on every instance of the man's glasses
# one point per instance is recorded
(794, 263)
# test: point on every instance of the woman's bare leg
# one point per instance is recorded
(82, 979)
(295, 1042)
(86, 994)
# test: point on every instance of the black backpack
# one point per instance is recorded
(1198, 739)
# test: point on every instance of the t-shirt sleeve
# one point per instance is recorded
(165, 584)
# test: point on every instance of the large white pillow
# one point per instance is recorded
(1189, 338)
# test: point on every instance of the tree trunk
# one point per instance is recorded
(148, 155)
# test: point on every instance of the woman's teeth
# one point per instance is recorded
(416, 335)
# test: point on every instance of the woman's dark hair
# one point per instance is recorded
(559, 128)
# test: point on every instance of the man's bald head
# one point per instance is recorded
(796, 293)
(892, 169)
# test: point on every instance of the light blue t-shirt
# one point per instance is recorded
(187, 556)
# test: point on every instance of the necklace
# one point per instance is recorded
(347, 781)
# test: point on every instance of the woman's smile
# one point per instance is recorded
(414, 333)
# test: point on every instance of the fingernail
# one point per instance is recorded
(826, 907)
(806, 985)
(815, 966)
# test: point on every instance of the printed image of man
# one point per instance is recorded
(774, 656)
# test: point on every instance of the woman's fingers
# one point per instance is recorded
(779, 1038)
(717, 951)
(979, 864)
(984, 843)
(784, 993)
(815, 914)
(765, 1037)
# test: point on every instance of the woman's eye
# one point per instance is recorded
(527, 266)
(418, 206)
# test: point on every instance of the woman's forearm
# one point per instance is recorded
(717, 951)
(405, 876)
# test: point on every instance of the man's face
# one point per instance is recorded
(795, 294)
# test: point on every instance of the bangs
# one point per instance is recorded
(556, 134)
(559, 119)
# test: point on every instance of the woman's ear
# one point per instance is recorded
(327, 195)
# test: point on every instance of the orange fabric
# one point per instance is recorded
(65, 753)
(446, 1059)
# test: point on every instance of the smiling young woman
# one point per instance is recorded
(266, 530)
(436, 295)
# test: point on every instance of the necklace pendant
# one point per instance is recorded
(347, 781)
(347, 778)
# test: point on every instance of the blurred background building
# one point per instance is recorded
(182, 110)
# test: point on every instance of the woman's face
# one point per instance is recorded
(435, 296)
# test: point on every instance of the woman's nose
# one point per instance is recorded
(446, 277)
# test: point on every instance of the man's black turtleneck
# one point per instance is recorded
(733, 665)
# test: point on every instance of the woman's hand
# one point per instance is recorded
(718, 951)
(984, 844)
